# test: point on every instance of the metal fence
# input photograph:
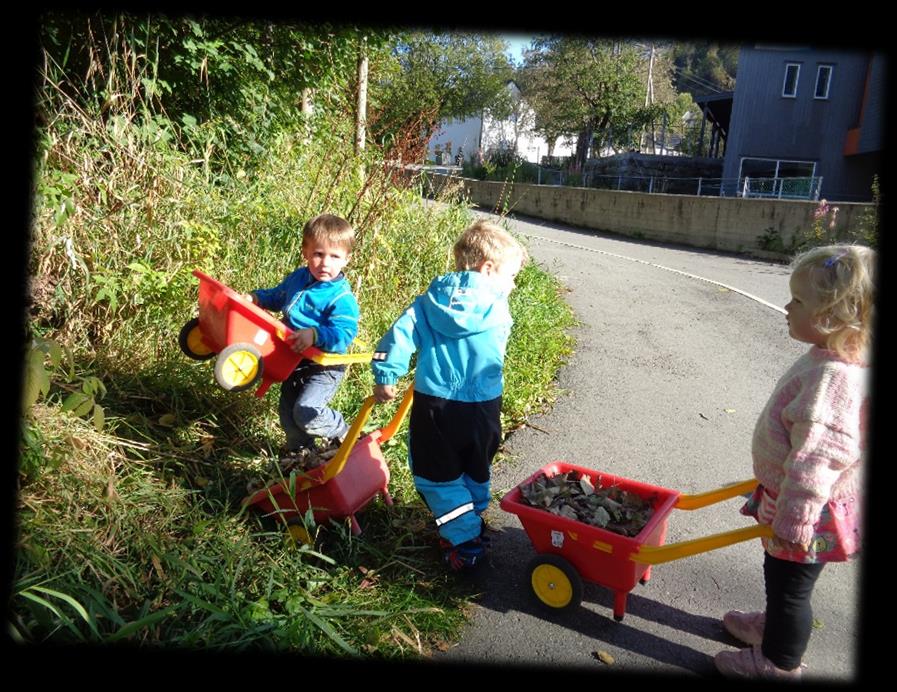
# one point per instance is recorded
(774, 188)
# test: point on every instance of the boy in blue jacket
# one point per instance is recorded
(318, 304)
(460, 329)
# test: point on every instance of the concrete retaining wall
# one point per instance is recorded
(720, 223)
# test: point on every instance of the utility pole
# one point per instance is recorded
(649, 97)
(307, 110)
(361, 107)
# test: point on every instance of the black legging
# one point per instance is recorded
(789, 617)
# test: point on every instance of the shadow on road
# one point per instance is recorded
(503, 583)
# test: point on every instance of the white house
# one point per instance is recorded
(483, 133)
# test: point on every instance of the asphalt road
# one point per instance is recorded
(677, 352)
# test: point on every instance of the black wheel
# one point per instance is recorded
(555, 582)
(191, 342)
(239, 367)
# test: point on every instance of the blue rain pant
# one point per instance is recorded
(450, 451)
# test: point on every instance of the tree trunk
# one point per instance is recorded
(306, 101)
(583, 144)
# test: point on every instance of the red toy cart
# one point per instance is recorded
(248, 340)
(570, 551)
(341, 487)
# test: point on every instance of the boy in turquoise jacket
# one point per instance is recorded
(459, 329)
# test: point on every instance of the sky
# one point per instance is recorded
(516, 43)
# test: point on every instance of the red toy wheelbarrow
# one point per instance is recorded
(570, 551)
(339, 488)
(250, 343)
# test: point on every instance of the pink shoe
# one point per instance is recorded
(752, 664)
(746, 627)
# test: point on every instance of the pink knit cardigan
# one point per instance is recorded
(810, 440)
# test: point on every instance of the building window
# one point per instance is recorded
(789, 88)
(823, 81)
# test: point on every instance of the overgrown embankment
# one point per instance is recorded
(133, 462)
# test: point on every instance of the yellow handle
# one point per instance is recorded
(718, 495)
(323, 358)
(388, 430)
(335, 465)
(654, 555)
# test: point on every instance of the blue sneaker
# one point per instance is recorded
(464, 555)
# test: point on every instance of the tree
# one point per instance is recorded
(443, 75)
(704, 67)
(244, 78)
(588, 88)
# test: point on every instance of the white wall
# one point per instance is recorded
(461, 133)
(466, 134)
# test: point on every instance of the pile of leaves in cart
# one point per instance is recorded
(296, 462)
(572, 495)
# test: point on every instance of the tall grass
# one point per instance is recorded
(132, 529)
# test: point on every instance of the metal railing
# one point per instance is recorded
(773, 188)
(781, 188)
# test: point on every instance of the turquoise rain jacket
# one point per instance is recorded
(328, 306)
(460, 329)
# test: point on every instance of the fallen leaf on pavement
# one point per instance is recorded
(603, 656)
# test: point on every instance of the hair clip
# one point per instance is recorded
(831, 261)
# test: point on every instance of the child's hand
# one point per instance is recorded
(782, 544)
(248, 297)
(301, 339)
(384, 392)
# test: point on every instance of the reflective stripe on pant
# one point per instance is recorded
(453, 507)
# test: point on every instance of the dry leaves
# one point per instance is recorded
(572, 495)
(300, 461)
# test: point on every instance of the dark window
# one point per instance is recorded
(789, 88)
(823, 81)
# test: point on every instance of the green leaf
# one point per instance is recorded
(92, 386)
(99, 418)
(54, 351)
(75, 401)
(259, 611)
(37, 381)
(137, 625)
(327, 628)
(30, 392)
(64, 618)
(205, 605)
(42, 601)
(71, 601)
(293, 605)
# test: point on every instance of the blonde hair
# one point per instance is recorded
(330, 229)
(484, 241)
(842, 279)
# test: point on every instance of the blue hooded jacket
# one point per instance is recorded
(460, 329)
(327, 306)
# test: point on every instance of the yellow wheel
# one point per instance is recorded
(298, 533)
(239, 366)
(555, 582)
(191, 342)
